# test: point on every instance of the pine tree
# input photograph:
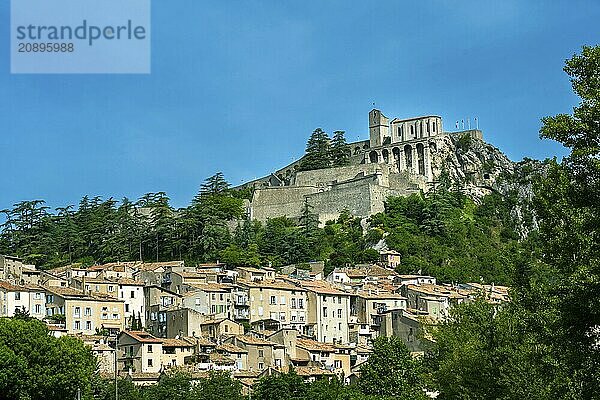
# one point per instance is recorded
(317, 152)
(339, 150)
(214, 185)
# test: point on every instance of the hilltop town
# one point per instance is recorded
(146, 319)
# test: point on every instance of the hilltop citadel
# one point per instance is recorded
(402, 156)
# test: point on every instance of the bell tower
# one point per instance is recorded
(379, 127)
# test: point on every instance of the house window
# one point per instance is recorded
(226, 328)
(111, 288)
(77, 311)
(213, 296)
(261, 353)
(337, 364)
(293, 303)
(197, 302)
(149, 348)
(282, 316)
(221, 297)
(88, 325)
(126, 307)
(38, 309)
(340, 300)
(88, 311)
(37, 296)
(339, 313)
(149, 362)
(77, 325)
(115, 316)
(17, 295)
(273, 300)
(261, 366)
(300, 303)
(325, 311)
(282, 300)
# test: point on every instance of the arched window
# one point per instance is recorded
(373, 157)
(408, 157)
(386, 156)
(420, 159)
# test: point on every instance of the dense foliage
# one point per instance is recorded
(325, 152)
(546, 342)
(34, 365)
(443, 233)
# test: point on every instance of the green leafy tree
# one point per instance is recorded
(280, 386)
(38, 366)
(568, 205)
(391, 371)
(218, 385)
(171, 386)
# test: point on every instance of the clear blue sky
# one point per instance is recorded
(237, 86)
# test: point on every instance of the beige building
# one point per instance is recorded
(220, 328)
(210, 299)
(85, 313)
(31, 299)
(157, 301)
(139, 352)
(95, 285)
(328, 312)
(435, 300)
(326, 355)
(175, 351)
(277, 300)
(10, 268)
(262, 353)
(236, 353)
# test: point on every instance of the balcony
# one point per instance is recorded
(242, 301)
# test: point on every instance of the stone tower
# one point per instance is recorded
(379, 128)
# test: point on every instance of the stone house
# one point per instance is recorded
(28, 298)
(328, 312)
(219, 329)
(262, 353)
(175, 351)
(85, 313)
(276, 300)
(139, 352)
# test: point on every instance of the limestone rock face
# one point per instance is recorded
(478, 169)
(470, 164)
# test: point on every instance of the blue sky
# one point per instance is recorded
(237, 86)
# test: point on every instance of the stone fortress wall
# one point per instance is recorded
(398, 159)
